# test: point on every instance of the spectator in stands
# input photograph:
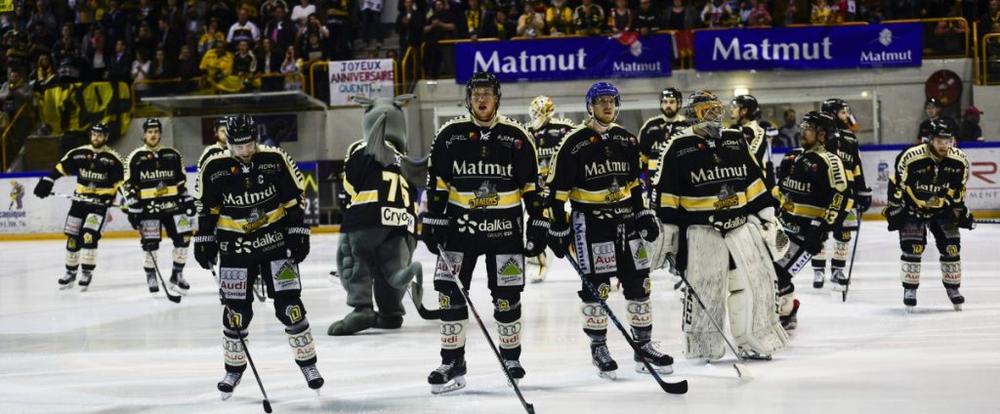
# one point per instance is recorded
(45, 73)
(340, 21)
(440, 25)
(188, 67)
(291, 67)
(559, 18)
(144, 40)
(312, 50)
(140, 72)
(844, 10)
(371, 20)
(970, 130)
(244, 61)
(531, 23)
(268, 63)
(170, 37)
(902, 9)
(620, 17)
(220, 10)
(477, 17)
(42, 21)
(147, 13)
(647, 19)
(875, 15)
(268, 6)
(211, 35)
(680, 16)
(14, 92)
(990, 22)
(410, 27)
(84, 17)
(501, 26)
(217, 64)
(788, 134)
(94, 53)
(716, 14)
(759, 15)
(114, 23)
(120, 66)
(174, 15)
(313, 25)
(743, 13)
(280, 28)
(243, 29)
(162, 68)
(791, 13)
(588, 18)
(821, 13)
(67, 42)
(302, 11)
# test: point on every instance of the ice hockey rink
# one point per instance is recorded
(115, 349)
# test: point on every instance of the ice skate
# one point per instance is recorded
(229, 383)
(66, 281)
(818, 276)
(839, 280)
(448, 377)
(178, 284)
(537, 268)
(956, 297)
(660, 361)
(910, 298)
(313, 378)
(790, 321)
(514, 368)
(151, 281)
(85, 280)
(602, 360)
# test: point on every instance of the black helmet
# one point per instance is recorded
(833, 106)
(933, 101)
(481, 80)
(150, 123)
(240, 129)
(749, 103)
(221, 122)
(672, 93)
(942, 129)
(822, 121)
(100, 128)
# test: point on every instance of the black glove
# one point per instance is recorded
(559, 238)
(813, 237)
(188, 205)
(963, 218)
(298, 243)
(864, 200)
(44, 187)
(205, 250)
(894, 214)
(134, 220)
(649, 229)
(435, 231)
(538, 233)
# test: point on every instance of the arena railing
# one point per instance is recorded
(944, 37)
(16, 132)
(991, 59)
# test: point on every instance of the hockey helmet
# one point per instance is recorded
(240, 129)
(672, 93)
(833, 106)
(221, 122)
(821, 121)
(100, 128)
(600, 89)
(941, 129)
(481, 80)
(748, 102)
(150, 123)
(541, 110)
(704, 106)
(932, 101)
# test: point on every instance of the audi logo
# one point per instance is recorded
(451, 328)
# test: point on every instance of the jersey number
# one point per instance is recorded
(396, 185)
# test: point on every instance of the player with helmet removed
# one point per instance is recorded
(927, 192)
(813, 190)
(745, 112)
(220, 142)
(99, 171)
(483, 175)
(718, 225)
(252, 220)
(597, 170)
(548, 132)
(656, 131)
(156, 196)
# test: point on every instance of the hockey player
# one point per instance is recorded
(597, 169)
(483, 167)
(707, 190)
(656, 131)
(745, 112)
(843, 144)
(156, 196)
(813, 191)
(548, 133)
(99, 171)
(252, 220)
(218, 146)
(927, 191)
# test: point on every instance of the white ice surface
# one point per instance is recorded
(114, 349)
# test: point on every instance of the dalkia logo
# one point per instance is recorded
(466, 225)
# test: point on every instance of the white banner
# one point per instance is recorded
(371, 78)
(983, 187)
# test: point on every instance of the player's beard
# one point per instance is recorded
(669, 114)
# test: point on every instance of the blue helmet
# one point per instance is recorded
(599, 89)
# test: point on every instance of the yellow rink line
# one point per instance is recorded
(127, 234)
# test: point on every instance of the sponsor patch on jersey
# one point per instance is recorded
(510, 269)
(150, 229)
(93, 222)
(639, 254)
(285, 275)
(604, 257)
(72, 226)
(182, 223)
(397, 217)
(233, 281)
(449, 265)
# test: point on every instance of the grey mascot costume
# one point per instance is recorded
(378, 235)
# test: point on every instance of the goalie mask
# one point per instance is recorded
(541, 111)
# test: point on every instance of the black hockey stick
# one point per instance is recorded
(986, 221)
(253, 367)
(530, 408)
(741, 371)
(850, 268)
(680, 387)
(74, 197)
(156, 267)
(416, 292)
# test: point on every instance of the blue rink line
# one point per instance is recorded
(307, 165)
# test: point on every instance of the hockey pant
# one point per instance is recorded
(913, 239)
(83, 230)
(377, 260)
(607, 248)
(505, 278)
(734, 276)
(178, 227)
(237, 274)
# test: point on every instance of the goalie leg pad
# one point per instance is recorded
(753, 294)
(707, 266)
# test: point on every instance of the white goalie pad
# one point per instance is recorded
(663, 246)
(753, 317)
(707, 270)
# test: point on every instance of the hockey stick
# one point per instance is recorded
(156, 267)
(741, 370)
(986, 221)
(680, 387)
(850, 268)
(74, 197)
(530, 408)
(416, 292)
(253, 367)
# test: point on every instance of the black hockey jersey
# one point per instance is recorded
(813, 185)
(844, 145)
(709, 181)
(251, 198)
(99, 172)
(926, 183)
(154, 180)
(598, 171)
(547, 139)
(653, 137)
(379, 195)
(209, 152)
(760, 146)
(484, 169)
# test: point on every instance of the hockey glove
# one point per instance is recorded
(44, 187)
(205, 250)
(537, 234)
(664, 248)
(863, 200)
(559, 238)
(813, 237)
(649, 226)
(769, 230)
(189, 206)
(895, 215)
(963, 218)
(435, 231)
(298, 243)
